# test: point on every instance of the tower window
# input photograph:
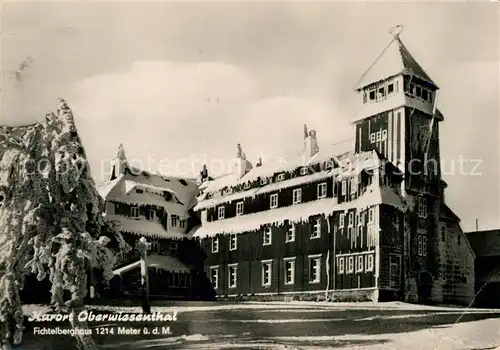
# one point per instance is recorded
(411, 89)
(425, 94)
(381, 92)
(390, 89)
(419, 91)
(371, 95)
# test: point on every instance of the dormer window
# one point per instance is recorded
(329, 164)
(221, 212)
(304, 171)
(281, 177)
(246, 186)
(173, 220)
(134, 212)
(239, 208)
(263, 181)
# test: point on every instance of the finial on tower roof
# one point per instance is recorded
(396, 30)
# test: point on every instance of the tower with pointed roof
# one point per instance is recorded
(399, 119)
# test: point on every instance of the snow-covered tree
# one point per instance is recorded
(50, 219)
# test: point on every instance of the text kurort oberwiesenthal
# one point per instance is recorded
(89, 316)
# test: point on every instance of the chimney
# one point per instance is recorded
(203, 174)
(119, 164)
(241, 165)
(310, 145)
(259, 162)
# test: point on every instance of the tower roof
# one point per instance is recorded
(394, 60)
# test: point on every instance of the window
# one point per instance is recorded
(344, 188)
(281, 177)
(341, 220)
(221, 212)
(425, 94)
(329, 164)
(381, 92)
(233, 274)
(268, 234)
(239, 208)
(322, 190)
(371, 95)
(369, 263)
(297, 196)
(390, 89)
(314, 269)
(459, 239)
(361, 221)
(274, 201)
(350, 264)
(379, 136)
(443, 233)
(215, 244)
(173, 220)
(246, 186)
(172, 247)
(341, 265)
(384, 135)
(316, 232)
(290, 234)
(182, 223)
(418, 91)
(421, 245)
(134, 212)
(214, 276)
(266, 273)
(422, 207)
(304, 171)
(351, 219)
(411, 89)
(289, 270)
(152, 214)
(359, 263)
(354, 185)
(372, 137)
(233, 242)
(263, 181)
(371, 215)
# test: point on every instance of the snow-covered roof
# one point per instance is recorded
(148, 228)
(394, 60)
(350, 164)
(374, 195)
(168, 263)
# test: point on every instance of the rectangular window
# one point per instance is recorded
(182, 223)
(422, 207)
(172, 247)
(354, 185)
(369, 263)
(314, 269)
(221, 212)
(329, 164)
(268, 234)
(418, 91)
(233, 275)
(373, 137)
(304, 170)
(361, 218)
(351, 219)
(359, 263)
(371, 95)
(290, 234)
(173, 220)
(381, 92)
(341, 220)
(263, 181)
(371, 215)
(459, 239)
(134, 212)
(316, 231)
(239, 208)
(214, 276)
(384, 135)
(289, 270)
(321, 190)
(425, 94)
(443, 233)
(390, 89)
(421, 245)
(297, 196)
(152, 214)
(233, 242)
(341, 268)
(411, 89)
(274, 201)
(246, 186)
(344, 188)
(281, 177)
(266, 273)
(379, 136)
(215, 244)
(350, 264)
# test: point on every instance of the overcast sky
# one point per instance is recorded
(187, 81)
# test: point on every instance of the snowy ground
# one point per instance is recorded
(303, 325)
